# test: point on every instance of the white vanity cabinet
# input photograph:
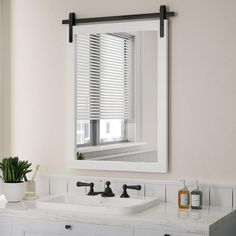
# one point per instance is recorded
(5, 226)
(144, 232)
(28, 227)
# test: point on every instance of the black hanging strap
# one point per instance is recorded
(162, 18)
(71, 24)
(162, 15)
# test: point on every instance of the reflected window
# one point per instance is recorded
(105, 88)
(112, 131)
(83, 132)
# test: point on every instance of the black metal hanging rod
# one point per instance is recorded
(163, 14)
(117, 18)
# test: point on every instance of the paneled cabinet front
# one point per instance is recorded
(144, 232)
(5, 226)
(28, 227)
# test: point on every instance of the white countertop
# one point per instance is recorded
(161, 217)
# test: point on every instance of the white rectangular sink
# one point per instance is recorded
(96, 204)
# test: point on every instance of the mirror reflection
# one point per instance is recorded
(116, 96)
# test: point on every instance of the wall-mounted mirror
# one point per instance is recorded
(119, 88)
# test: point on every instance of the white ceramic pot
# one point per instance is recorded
(14, 192)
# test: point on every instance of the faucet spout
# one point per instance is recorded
(107, 192)
(96, 193)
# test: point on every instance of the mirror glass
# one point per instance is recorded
(116, 96)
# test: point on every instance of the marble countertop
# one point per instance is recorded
(161, 217)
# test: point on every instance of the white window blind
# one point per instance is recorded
(104, 76)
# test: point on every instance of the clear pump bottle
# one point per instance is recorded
(183, 197)
(196, 198)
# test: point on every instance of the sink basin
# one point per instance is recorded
(96, 204)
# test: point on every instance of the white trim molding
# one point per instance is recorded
(161, 166)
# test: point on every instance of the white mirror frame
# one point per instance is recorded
(162, 99)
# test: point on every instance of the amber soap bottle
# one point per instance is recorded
(183, 197)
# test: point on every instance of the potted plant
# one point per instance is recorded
(80, 156)
(13, 173)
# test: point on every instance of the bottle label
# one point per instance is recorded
(195, 200)
(184, 199)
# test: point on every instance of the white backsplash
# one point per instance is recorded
(221, 196)
(166, 190)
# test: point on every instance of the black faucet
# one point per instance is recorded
(125, 187)
(106, 193)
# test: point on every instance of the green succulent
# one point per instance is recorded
(80, 156)
(14, 170)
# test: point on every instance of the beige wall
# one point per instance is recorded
(202, 84)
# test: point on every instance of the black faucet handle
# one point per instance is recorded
(136, 187)
(82, 184)
(108, 183)
(125, 187)
(91, 185)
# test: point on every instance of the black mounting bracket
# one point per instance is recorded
(71, 24)
(163, 14)
(162, 18)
